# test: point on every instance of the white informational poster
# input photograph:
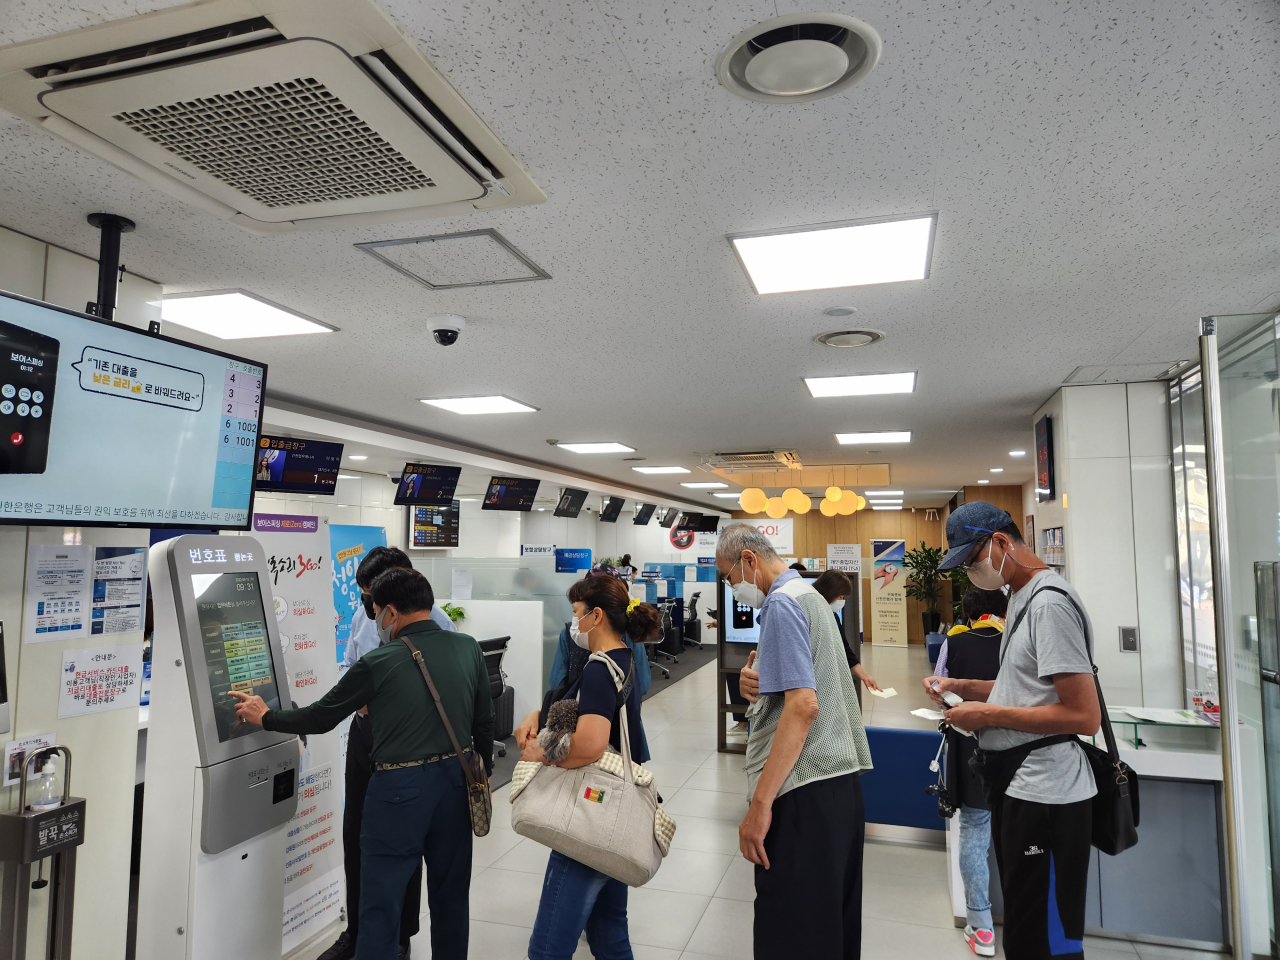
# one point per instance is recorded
(99, 679)
(781, 533)
(16, 753)
(846, 557)
(118, 585)
(462, 583)
(537, 550)
(59, 595)
(300, 561)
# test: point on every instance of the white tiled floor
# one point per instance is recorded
(700, 905)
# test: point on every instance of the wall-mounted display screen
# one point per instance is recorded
(707, 523)
(433, 526)
(611, 510)
(668, 517)
(290, 465)
(644, 513)
(104, 425)
(237, 647)
(510, 493)
(571, 502)
(742, 625)
(689, 521)
(1044, 460)
(427, 484)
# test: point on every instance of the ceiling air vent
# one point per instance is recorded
(279, 122)
(752, 461)
(1122, 372)
(799, 57)
(476, 258)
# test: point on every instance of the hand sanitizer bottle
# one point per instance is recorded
(47, 795)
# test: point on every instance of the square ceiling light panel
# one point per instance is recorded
(236, 315)
(471, 406)
(605, 446)
(661, 470)
(867, 439)
(831, 255)
(861, 385)
(475, 258)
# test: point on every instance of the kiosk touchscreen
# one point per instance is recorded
(220, 791)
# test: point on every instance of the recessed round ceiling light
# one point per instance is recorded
(839, 311)
(799, 57)
(849, 338)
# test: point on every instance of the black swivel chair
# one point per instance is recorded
(504, 697)
(692, 624)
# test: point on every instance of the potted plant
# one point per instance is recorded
(924, 582)
(455, 614)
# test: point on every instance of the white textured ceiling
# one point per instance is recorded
(1103, 173)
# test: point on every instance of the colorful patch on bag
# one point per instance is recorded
(594, 795)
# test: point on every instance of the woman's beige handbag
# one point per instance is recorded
(605, 814)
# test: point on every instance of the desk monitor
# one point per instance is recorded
(611, 510)
(668, 518)
(571, 502)
(644, 513)
(427, 485)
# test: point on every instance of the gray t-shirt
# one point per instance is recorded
(1051, 639)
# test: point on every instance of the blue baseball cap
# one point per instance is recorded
(967, 525)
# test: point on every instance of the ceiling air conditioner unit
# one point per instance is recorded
(277, 115)
(754, 461)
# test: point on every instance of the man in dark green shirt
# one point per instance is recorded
(416, 804)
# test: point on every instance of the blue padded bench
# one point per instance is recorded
(894, 790)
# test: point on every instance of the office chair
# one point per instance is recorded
(669, 636)
(504, 697)
(692, 625)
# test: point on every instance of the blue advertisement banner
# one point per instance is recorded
(572, 560)
(349, 545)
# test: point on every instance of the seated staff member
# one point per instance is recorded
(835, 587)
(416, 803)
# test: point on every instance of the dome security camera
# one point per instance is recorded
(446, 329)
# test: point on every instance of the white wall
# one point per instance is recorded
(646, 544)
(1114, 497)
(361, 499)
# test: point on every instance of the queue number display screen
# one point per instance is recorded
(237, 647)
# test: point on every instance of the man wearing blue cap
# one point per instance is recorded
(1039, 782)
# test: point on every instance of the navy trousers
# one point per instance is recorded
(411, 815)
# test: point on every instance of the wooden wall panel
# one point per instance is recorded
(1007, 497)
(813, 532)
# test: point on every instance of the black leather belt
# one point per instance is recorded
(433, 758)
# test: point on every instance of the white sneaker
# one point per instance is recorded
(982, 942)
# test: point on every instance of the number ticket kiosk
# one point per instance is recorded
(219, 791)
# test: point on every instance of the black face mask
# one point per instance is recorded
(368, 604)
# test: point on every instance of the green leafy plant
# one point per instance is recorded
(924, 582)
(456, 614)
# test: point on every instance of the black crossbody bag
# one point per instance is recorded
(1115, 805)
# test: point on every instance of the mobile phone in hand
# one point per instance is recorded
(949, 698)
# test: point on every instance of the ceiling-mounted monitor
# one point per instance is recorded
(668, 517)
(510, 493)
(707, 523)
(294, 465)
(689, 521)
(433, 526)
(571, 502)
(611, 510)
(427, 484)
(643, 513)
(103, 424)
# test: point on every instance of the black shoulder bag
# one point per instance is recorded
(1115, 805)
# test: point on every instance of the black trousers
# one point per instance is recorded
(1043, 852)
(358, 771)
(809, 901)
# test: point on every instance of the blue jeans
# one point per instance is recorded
(410, 815)
(574, 898)
(975, 840)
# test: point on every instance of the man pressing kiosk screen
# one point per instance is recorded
(805, 750)
(416, 806)
(1041, 825)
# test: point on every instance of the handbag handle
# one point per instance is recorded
(435, 695)
(616, 671)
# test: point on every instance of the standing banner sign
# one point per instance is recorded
(889, 592)
(349, 545)
(300, 562)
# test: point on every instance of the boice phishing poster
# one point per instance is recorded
(889, 592)
(349, 545)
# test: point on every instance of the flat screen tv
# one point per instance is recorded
(103, 424)
(433, 526)
(611, 510)
(571, 502)
(1044, 460)
(707, 523)
(644, 513)
(668, 518)
(510, 493)
(294, 465)
(427, 484)
(689, 521)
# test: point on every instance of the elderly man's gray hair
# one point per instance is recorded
(737, 537)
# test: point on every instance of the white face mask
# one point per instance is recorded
(984, 575)
(837, 605)
(384, 633)
(581, 639)
(748, 594)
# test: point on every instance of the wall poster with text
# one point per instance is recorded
(889, 592)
